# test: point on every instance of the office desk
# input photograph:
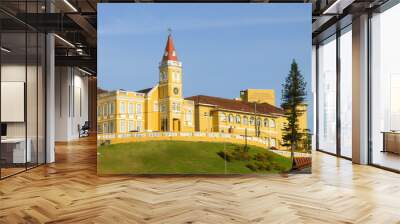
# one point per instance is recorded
(391, 142)
(13, 150)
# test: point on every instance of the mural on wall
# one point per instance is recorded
(173, 96)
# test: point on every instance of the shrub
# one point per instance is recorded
(251, 166)
(226, 155)
(264, 165)
(259, 166)
(242, 156)
(262, 157)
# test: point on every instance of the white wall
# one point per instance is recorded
(71, 102)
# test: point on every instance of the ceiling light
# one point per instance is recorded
(64, 40)
(70, 5)
(5, 50)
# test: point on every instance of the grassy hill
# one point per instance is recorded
(176, 157)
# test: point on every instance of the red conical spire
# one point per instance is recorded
(170, 53)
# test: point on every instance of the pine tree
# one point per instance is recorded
(293, 97)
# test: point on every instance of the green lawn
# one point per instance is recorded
(174, 157)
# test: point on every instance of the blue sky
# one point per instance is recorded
(224, 48)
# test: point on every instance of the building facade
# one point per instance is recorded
(163, 108)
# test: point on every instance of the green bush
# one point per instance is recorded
(226, 155)
(251, 166)
(242, 156)
(259, 166)
(262, 156)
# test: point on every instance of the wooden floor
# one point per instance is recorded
(69, 191)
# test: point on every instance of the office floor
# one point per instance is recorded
(387, 159)
(69, 191)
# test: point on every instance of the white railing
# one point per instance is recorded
(182, 134)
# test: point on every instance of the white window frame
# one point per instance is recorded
(230, 118)
(112, 108)
(266, 122)
(131, 125)
(105, 109)
(139, 108)
(252, 120)
(238, 119)
(272, 123)
(272, 142)
(111, 127)
(122, 126)
(139, 125)
(130, 108)
(223, 117)
(122, 108)
(244, 120)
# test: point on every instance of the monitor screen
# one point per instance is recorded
(3, 129)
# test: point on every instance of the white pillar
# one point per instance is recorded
(314, 95)
(50, 99)
(360, 90)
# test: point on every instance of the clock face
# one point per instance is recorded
(176, 91)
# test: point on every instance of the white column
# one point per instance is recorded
(50, 99)
(360, 90)
(314, 94)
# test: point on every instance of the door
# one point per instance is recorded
(176, 125)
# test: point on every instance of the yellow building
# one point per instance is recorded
(163, 108)
(160, 108)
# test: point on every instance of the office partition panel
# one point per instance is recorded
(23, 88)
(31, 95)
(385, 89)
(346, 92)
(327, 95)
(15, 148)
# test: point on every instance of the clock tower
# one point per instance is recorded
(170, 89)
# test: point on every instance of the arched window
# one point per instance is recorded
(258, 122)
(230, 118)
(244, 120)
(266, 122)
(272, 123)
(237, 119)
(223, 117)
(251, 120)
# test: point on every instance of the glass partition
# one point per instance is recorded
(327, 95)
(385, 89)
(22, 94)
(346, 92)
(13, 94)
